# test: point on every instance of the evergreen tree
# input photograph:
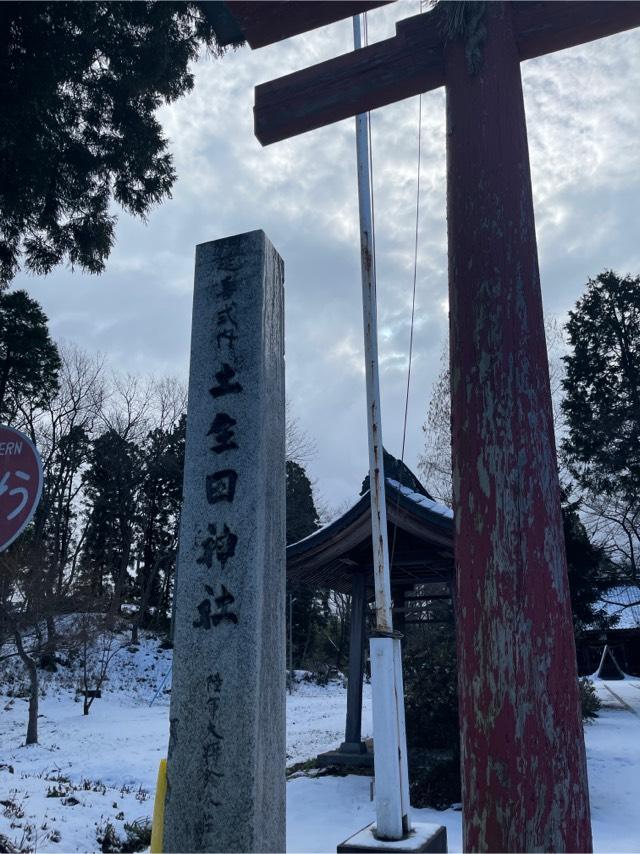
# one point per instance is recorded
(111, 488)
(159, 503)
(308, 607)
(81, 85)
(29, 360)
(395, 469)
(602, 386)
(602, 410)
(302, 516)
(589, 572)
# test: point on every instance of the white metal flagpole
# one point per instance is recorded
(390, 750)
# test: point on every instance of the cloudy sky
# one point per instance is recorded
(583, 112)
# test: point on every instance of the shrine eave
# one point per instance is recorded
(329, 557)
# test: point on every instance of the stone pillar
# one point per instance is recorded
(226, 764)
(524, 776)
(352, 738)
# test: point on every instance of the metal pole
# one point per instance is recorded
(374, 423)
(290, 643)
(390, 750)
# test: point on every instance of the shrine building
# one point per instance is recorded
(339, 557)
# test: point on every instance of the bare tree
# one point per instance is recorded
(61, 429)
(300, 447)
(17, 620)
(435, 462)
(127, 411)
(99, 646)
(613, 522)
(168, 402)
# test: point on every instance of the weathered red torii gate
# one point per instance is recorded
(524, 767)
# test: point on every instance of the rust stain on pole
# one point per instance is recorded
(523, 757)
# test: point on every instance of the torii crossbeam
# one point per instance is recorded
(523, 758)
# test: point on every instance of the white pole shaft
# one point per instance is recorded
(374, 421)
(391, 818)
(390, 756)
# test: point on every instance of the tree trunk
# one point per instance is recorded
(48, 656)
(32, 670)
(146, 596)
(119, 585)
(523, 759)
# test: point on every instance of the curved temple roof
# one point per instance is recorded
(423, 552)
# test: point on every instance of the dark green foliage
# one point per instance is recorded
(108, 839)
(138, 835)
(309, 610)
(111, 486)
(302, 516)
(81, 84)
(398, 471)
(589, 702)
(602, 387)
(589, 572)
(29, 360)
(159, 502)
(431, 707)
(431, 693)
(434, 779)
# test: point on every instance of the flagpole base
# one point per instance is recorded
(422, 837)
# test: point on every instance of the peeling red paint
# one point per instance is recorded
(524, 767)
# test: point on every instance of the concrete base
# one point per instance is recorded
(423, 837)
(348, 755)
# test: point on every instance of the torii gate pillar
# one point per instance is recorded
(521, 737)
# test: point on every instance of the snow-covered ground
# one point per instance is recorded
(86, 772)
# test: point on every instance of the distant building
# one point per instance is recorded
(623, 639)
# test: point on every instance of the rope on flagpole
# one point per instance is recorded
(413, 313)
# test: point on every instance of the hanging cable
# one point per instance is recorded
(415, 270)
(415, 277)
(415, 266)
(413, 311)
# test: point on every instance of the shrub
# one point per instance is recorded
(589, 700)
(138, 835)
(433, 732)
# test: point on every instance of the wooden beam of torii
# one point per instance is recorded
(413, 61)
(523, 759)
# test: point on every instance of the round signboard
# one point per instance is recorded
(20, 483)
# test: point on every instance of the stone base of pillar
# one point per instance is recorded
(353, 747)
(423, 837)
(354, 754)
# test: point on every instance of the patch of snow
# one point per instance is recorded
(90, 770)
(316, 719)
(613, 763)
(434, 506)
(323, 813)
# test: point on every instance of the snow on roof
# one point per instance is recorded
(625, 603)
(428, 503)
(434, 506)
